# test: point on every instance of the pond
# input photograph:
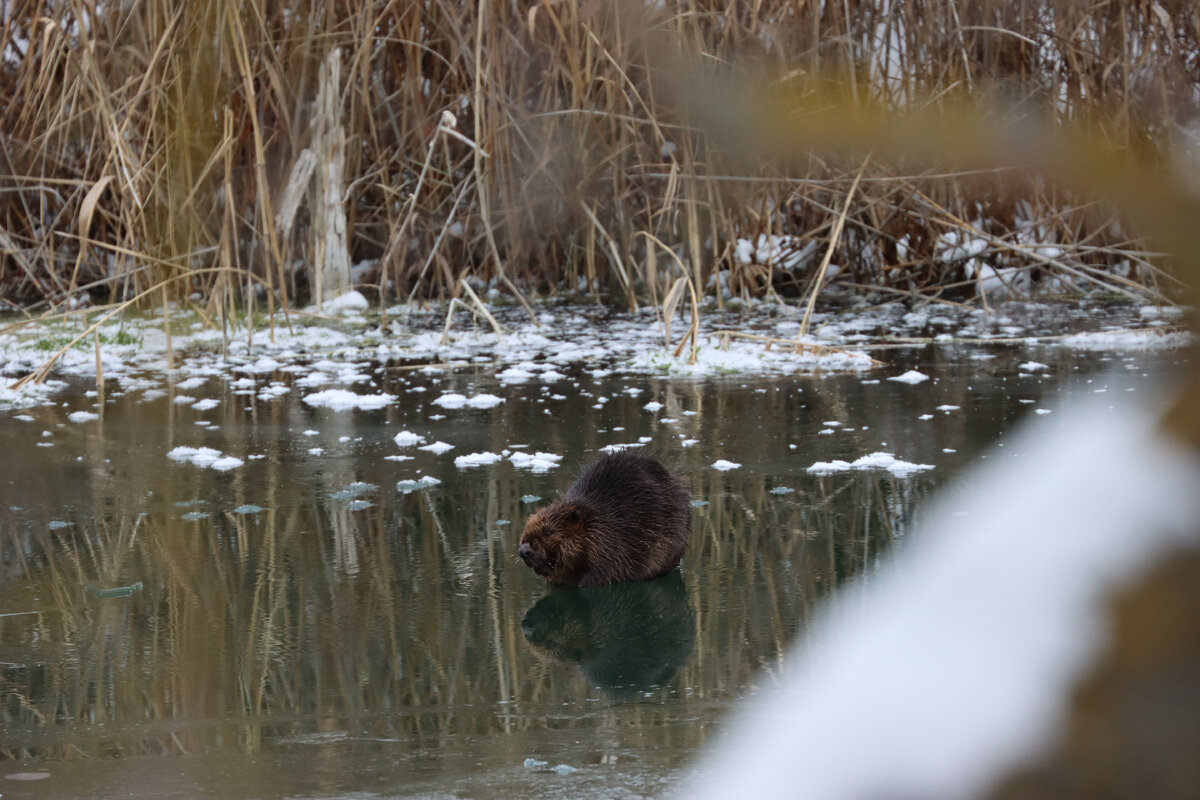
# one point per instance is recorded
(215, 585)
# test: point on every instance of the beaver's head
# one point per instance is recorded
(554, 543)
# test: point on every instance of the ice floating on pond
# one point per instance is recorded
(476, 460)
(404, 487)
(485, 401)
(205, 457)
(716, 358)
(82, 416)
(453, 400)
(653, 406)
(612, 448)
(437, 448)
(724, 465)
(1128, 340)
(535, 462)
(912, 377)
(407, 438)
(1032, 366)
(887, 461)
(342, 400)
(514, 375)
(206, 404)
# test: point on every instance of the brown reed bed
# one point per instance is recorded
(542, 146)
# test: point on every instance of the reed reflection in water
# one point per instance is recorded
(401, 619)
(303, 604)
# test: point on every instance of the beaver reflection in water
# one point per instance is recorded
(626, 518)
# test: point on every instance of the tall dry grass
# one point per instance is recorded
(592, 143)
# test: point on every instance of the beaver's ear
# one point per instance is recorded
(576, 516)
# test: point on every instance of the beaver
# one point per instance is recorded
(626, 518)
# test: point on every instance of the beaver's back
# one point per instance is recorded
(640, 517)
(634, 494)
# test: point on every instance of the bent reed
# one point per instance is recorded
(572, 145)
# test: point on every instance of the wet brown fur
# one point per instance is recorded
(626, 518)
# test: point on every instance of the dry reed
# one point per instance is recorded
(155, 141)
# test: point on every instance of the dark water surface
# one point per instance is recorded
(300, 627)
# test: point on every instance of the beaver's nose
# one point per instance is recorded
(525, 552)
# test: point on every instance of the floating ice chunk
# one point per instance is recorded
(724, 465)
(948, 408)
(533, 763)
(204, 457)
(342, 400)
(407, 438)
(200, 456)
(485, 401)
(476, 460)
(653, 406)
(404, 487)
(912, 377)
(688, 442)
(262, 366)
(184, 400)
(437, 448)
(353, 490)
(1128, 340)
(551, 375)
(887, 461)
(315, 451)
(564, 769)
(451, 400)
(397, 458)
(1041, 411)
(1160, 312)
(515, 375)
(206, 404)
(534, 462)
(1032, 366)
(82, 416)
(612, 448)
